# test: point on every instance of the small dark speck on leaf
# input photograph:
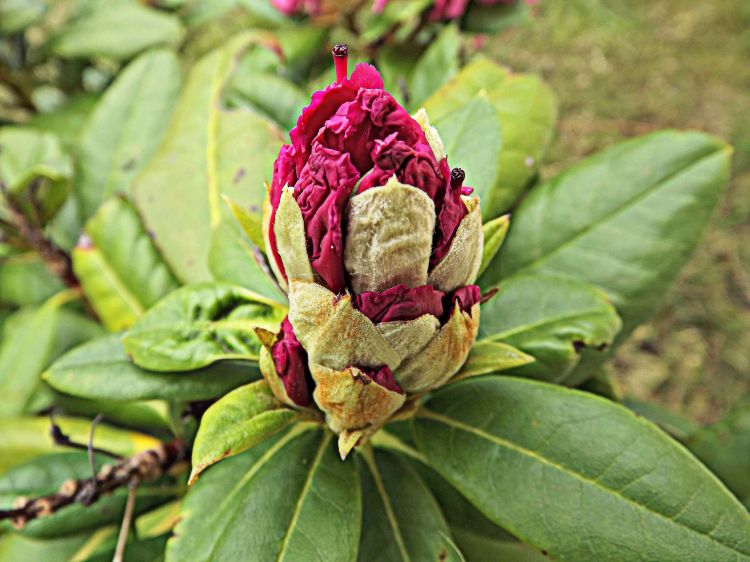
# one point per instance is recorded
(239, 174)
(129, 165)
(443, 555)
(578, 345)
(544, 553)
(151, 234)
(254, 209)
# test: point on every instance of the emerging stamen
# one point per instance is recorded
(341, 61)
(457, 177)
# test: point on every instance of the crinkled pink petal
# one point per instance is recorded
(284, 174)
(466, 297)
(450, 213)
(413, 165)
(325, 103)
(384, 377)
(290, 361)
(322, 192)
(400, 303)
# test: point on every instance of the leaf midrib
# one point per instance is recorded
(129, 299)
(614, 212)
(303, 495)
(452, 422)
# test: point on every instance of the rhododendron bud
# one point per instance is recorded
(377, 242)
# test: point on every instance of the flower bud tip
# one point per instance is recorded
(341, 61)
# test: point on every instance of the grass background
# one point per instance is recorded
(622, 68)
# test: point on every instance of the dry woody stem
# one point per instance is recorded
(143, 467)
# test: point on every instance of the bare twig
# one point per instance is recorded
(143, 467)
(127, 521)
(59, 438)
(33, 234)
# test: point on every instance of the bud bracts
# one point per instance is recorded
(377, 244)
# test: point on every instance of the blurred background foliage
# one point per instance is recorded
(622, 69)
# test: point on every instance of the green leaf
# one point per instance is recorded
(45, 474)
(479, 539)
(207, 151)
(489, 356)
(290, 498)
(233, 258)
(15, 547)
(116, 30)
(146, 415)
(68, 121)
(401, 519)
(472, 138)
(22, 439)
(725, 448)
(437, 65)
(136, 549)
(25, 280)
(250, 220)
(495, 18)
(27, 346)
(28, 156)
(526, 109)
(625, 220)
(494, 234)
(243, 418)
(125, 129)
(671, 422)
(120, 270)
(17, 15)
(577, 475)
(550, 319)
(100, 370)
(200, 324)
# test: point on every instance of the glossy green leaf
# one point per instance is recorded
(489, 356)
(27, 346)
(526, 110)
(401, 519)
(125, 129)
(15, 547)
(494, 233)
(22, 439)
(25, 280)
(269, 94)
(200, 324)
(290, 498)
(625, 220)
(67, 121)
(577, 475)
(117, 31)
(550, 319)
(207, 151)
(671, 422)
(137, 549)
(120, 270)
(17, 15)
(234, 258)
(27, 155)
(45, 474)
(479, 539)
(150, 415)
(472, 137)
(100, 370)
(437, 65)
(243, 418)
(725, 448)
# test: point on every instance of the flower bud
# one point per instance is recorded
(377, 242)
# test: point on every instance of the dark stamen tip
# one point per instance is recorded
(457, 177)
(340, 50)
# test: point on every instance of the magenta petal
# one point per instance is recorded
(466, 297)
(322, 192)
(290, 361)
(448, 9)
(400, 303)
(450, 212)
(384, 377)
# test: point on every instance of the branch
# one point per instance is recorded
(33, 234)
(147, 466)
